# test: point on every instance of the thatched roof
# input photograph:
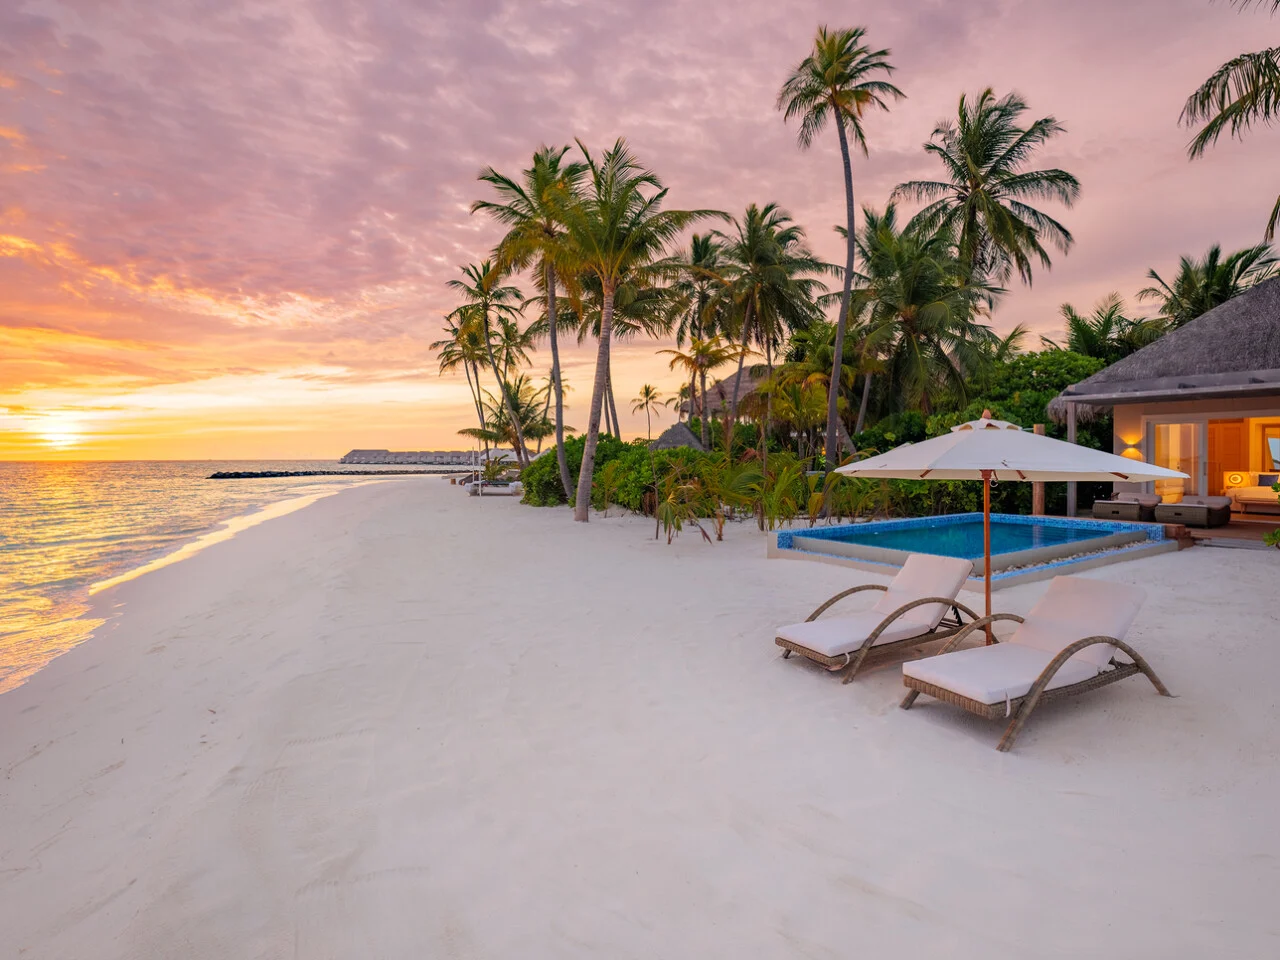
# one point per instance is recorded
(677, 435)
(720, 393)
(1231, 351)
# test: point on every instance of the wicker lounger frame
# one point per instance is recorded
(850, 662)
(1020, 708)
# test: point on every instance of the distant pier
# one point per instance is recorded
(441, 458)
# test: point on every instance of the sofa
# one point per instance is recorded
(1196, 511)
(1127, 506)
(1257, 496)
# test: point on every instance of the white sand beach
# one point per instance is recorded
(406, 723)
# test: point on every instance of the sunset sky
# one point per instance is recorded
(226, 226)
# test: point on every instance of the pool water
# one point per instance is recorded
(964, 539)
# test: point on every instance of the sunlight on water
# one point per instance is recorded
(68, 530)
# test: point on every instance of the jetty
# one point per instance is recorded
(445, 458)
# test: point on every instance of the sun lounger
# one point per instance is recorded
(1065, 645)
(918, 606)
(1196, 511)
(1127, 506)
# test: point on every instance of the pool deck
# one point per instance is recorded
(806, 544)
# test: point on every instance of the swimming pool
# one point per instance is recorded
(1018, 543)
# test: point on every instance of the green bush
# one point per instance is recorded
(542, 487)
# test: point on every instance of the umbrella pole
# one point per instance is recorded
(986, 542)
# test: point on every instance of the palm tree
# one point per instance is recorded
(834, 82)
(648, 400)
(697, 361)
(464, 347)
(618, 231)
(919, 305)
(985, 200)
(637, 311)
(1242, 92)
(770, 281)
(528, 404)
(1201, 285)
(486, 299)
(531, 210)
(699, 273)
(1107, 333)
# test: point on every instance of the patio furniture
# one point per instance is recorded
(1136, 507)
(912, 611)
(1044, 659)
(1196, 511)
(993, 450)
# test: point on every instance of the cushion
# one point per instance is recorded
(1077, 607)
(1146, 499)
(1255, 493)
(835, 636)
(1213, 503)
(1267, 479)
(996, 673)
(924, 575)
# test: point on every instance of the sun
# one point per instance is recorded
(61, 439)
(59, 432)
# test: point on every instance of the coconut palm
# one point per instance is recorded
(1242, 92)
(700, 358)
(530, 208)
(528, 403)
(985, 200)
(919, 304)
(699, 273)
(838, 81)
(618, 232)
(771, 283)
(1201, 285)
(637, 311)
(464, 347)
(1107, 333)
(648, 400)
(486, 299)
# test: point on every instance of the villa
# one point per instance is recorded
(1203, 399)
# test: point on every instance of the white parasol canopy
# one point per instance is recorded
(999, 450)
(991, 450)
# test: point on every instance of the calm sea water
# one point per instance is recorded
(67, 526)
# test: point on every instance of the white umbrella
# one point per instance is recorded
(988, 450)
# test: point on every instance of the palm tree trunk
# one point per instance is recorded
(702, 411)
(613, 404)
(479, 403)
(693, 392)
(862, 407)
(737, 381)
(582, 501)
(521, 456)
(768, 409)
(561, 460)
(832, 451)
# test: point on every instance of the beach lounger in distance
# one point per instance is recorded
(918, 606)
(1064, 646)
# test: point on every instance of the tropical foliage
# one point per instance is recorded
(1242, 93)
(911, 345)
(1200, 285)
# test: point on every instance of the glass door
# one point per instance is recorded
(1177, 446)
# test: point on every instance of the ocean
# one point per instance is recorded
(66, 527)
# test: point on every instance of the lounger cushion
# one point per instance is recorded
(996, 673)
(1077, 607)
(836, 636)
(924, 575)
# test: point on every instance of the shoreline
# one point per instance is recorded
(369, 726)
(94, 615)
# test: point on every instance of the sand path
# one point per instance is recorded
(402, 723)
